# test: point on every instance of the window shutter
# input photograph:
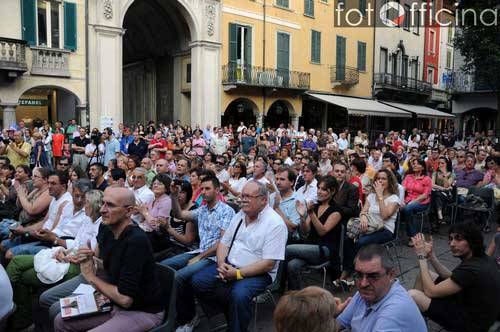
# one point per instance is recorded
(283, 52)
(70, 26)
(361, 56)
(28, 13)
(248, 46)
(309, 7)
(362, 7)
(233, 43)
(340, 61)
(316, 46)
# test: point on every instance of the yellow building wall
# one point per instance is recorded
(299, 26)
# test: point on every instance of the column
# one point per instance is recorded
(9, 114)
(295, 122)
(82, 115)
(106, 78)
(205, 83)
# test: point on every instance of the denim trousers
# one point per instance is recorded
(299, 255)
(238, 308)
(351, 248)
(185, 298)
(406, 216)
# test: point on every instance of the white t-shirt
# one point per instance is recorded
(54, 206)
(88, 231)
(236, 184)
(6, 295)
(308, 193)
(264, 238)
(374, 210)
(70, 223)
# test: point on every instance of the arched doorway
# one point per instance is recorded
(280, 112)
(47, 103)
(240, 110)
(156, 62)
(479, 119)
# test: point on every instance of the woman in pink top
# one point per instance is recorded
(198, 143)
(418, 187)
(157, 212)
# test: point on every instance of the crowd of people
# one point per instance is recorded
(235, 209)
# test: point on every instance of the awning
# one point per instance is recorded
(361, 106)
(422, 111)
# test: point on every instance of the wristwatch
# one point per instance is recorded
(55, 241)
(238, 274)
(421, 257)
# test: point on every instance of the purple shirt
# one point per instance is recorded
(309, 144)
(467, 179)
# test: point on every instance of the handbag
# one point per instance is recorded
(222, 288)
(354, 226)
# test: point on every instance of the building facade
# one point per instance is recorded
(42, 61)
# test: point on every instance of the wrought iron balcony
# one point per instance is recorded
(402, 83)
(50, 62)
(344, 75)
(12, 58)
(236, 75)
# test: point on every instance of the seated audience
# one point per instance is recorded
(127, 274)
(29, 273)
(57, 222)
(212, 219)
(381, 303)
(381, 208)
(311, 309)
(442, 182)
(468, 176)
(418, 188)
(320, 229)
(284, 201)
(466, 298)
(247, 260)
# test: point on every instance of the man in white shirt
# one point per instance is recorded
(342, 142)
(143, 195)
(60, 207)
(247, 258)
(220, 143)
(325, 164)
(375, 159)
(220, 169)
(308, 193)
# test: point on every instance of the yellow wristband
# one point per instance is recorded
(238, 274)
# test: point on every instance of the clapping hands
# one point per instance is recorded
(422, 247)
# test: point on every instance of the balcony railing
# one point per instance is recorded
(233, 74)
(13, 57)
(50, 62)
(384, 80)
(344, 75)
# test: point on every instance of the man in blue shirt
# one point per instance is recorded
(212, 219)
(381, 303)
(126, 140)
(112, 146)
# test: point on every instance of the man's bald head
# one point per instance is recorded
(118, 203)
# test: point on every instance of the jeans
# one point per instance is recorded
(31, 248)
(299, 255)
(406, 215)
(238, 308)
(4, 228)
(185, 298)
(351, 248)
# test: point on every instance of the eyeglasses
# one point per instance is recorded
(237, 166)
(370, 277)
(221, 163)
(112, 205)
(277, 163)
(298, 158)
(61, 164)
(247, 197)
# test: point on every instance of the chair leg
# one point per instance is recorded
(399, 262)
(255, 317)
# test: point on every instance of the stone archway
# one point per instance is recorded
(196, 28)
(280, 112)
(240, 110)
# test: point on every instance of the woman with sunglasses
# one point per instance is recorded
(442, 182)
(236, 183)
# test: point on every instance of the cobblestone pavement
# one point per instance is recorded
(409, 273)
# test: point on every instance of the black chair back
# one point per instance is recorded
(167, 281)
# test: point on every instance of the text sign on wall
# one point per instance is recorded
(33, 102)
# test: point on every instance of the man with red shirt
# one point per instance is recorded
(432, 162)
(396, 142)
(159, 144)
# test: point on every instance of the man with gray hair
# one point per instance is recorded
(381, 303)
(247, 258)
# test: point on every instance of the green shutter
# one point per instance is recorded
(70, 26)
(362, 7)
(340, 61)
(361, 56)
(282, 3)
(28, 13)
(283, 52)
(316, 46)
(233, 43)
(248, 46)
